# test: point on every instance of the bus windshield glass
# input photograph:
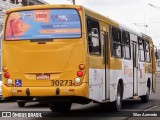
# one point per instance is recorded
(43, 24)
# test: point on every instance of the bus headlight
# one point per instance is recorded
(9, 81)
(77, 80)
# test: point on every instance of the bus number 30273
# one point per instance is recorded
(61, 82)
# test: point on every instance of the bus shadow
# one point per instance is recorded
(136, 104)
(36, 105)
(96, 110)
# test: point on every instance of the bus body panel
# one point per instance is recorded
(45, 91)
(60, 59)
(134, 83)
(56, 60)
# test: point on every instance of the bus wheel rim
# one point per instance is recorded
(118, 99)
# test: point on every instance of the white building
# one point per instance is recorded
(7, 4)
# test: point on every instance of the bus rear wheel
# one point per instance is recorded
(60, 107)
(145, 98)
(21, 104)
(117, 104)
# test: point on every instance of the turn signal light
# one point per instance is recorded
(79, 73)
(4, 68)
(79, 9)
(7, 13)
(81, 67)
(6, 75)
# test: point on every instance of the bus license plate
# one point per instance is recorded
(62, 83)
(43, 76)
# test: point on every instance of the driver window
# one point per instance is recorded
(93, 36)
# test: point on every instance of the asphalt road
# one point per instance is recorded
(89, 111)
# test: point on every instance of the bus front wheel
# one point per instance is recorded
(60, 107)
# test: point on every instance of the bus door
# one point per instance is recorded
(97, 68)
(95, 60)
(105, 62)
(135, 67)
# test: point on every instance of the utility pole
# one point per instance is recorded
(74, 2)
(143, 25)
(28, 2)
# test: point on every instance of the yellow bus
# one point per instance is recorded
(64, 54)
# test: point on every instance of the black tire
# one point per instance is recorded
(117, 104)
(60, 107)
(145, 98)
(42, 102)
(21, 104)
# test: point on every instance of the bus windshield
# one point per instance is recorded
(43, 24)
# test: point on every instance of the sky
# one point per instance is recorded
(136, 14)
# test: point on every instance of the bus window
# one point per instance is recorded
(43, 24)
(147, 52)
(126, 45)
(93, 36)
(116, 37)
(141, 49)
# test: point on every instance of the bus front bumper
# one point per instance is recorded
(81, 90)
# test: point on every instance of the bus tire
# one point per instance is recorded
(21, 104)
(117, 104)
(145, 98)
(60, 107)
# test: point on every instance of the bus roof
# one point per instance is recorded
(87, 11)
(116, 24)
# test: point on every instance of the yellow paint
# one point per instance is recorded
(59, 58)
(46, 91)
(115, 64)
(101, 18)
(147, 68)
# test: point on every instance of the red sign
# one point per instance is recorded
(41, 15)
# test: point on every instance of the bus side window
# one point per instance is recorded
(141, 49)
(126, 45)
(117, 47)
(158, 63)
(93, 36)
(147, 52)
